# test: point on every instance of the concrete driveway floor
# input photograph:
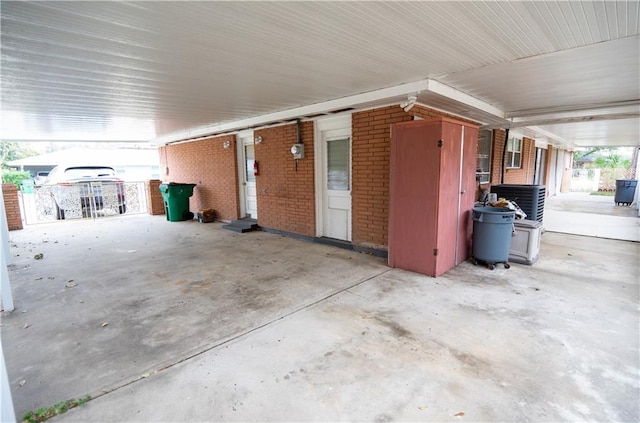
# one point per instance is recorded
(598, 216)
(181, 321)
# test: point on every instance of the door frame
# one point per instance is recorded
(342, 122)
(242, 163)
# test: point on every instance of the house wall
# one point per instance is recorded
(371, 151)
(286, 193)
(523, 175)
(209, 165)
(545, 166)
(12, 206)
(551, 171)
(565, 185)
(560, 169)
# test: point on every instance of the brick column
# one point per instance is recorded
(155, 202)
(12, 206)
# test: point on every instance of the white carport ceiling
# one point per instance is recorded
(565, 72)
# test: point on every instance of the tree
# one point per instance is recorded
(10, 151)
(13, 151)
(613, 161)
(579, 154)
(16, 177)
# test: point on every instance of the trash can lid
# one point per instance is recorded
(495, 210)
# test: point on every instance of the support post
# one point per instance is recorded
(5, 286)
(7, 412)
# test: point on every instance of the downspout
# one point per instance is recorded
(299, 137)
(504, 155)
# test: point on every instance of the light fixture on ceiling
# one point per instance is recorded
(408, 105)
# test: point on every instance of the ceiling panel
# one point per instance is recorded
(599, 73)
(83, 66)
(616, 132)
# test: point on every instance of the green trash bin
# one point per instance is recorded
(176, 201)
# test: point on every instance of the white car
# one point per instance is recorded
(40, 178)
(85, 189)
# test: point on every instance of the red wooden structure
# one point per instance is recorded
(432, 193)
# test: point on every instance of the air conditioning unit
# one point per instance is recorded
(530, 198)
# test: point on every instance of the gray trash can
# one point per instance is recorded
(625, 191)
(492, 231)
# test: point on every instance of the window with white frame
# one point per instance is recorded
(514, 153)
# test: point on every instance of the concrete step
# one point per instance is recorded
(238, 229)
(242, 225)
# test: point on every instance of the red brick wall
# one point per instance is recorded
(155, 202)
(547, 168)
(209, 165)
(12, 206)
(371, 149)
(286, 196)
(523, 175)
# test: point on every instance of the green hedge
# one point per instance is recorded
(14, 176)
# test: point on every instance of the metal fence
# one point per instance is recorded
(592, 180)
(585, 180)
(89, 200)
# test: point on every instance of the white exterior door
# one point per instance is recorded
(336, 183)
(248, 192)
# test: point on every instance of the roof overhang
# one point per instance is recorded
(428, 92)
